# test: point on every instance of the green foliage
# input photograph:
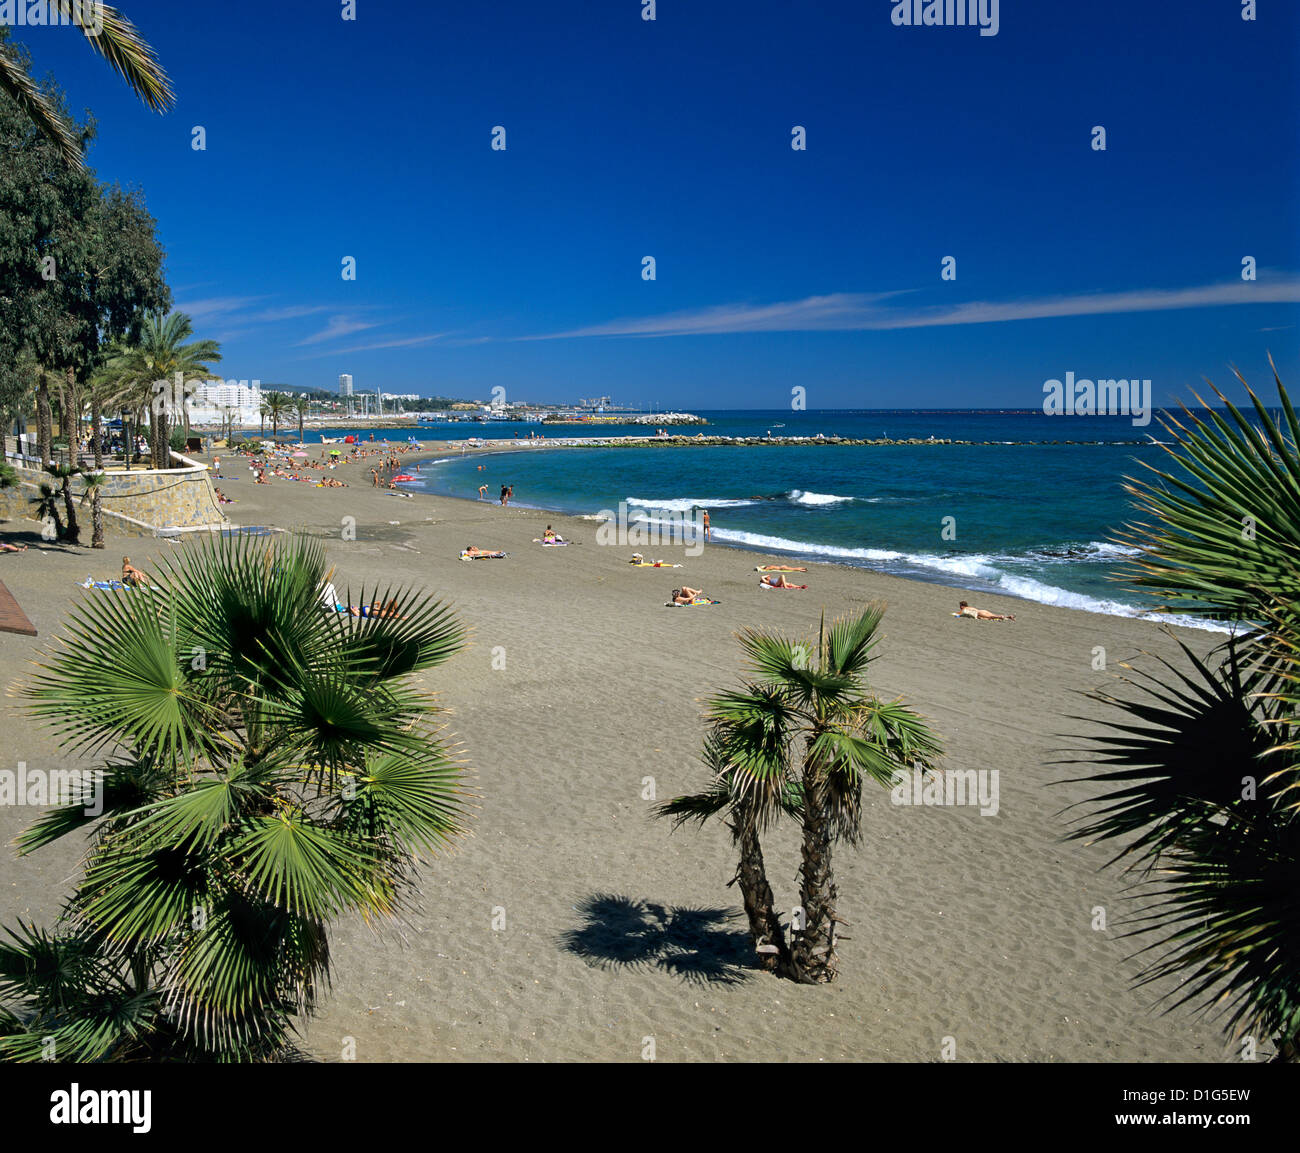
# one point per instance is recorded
(268, 768)
(797, 741)
(1202, 780)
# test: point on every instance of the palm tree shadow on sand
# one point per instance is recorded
(693, 944)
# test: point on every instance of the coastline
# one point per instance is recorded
(578, 696)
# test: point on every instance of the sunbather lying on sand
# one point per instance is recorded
(4, 547)
(132, 575)
(981, 614)
(478, 553)
(777, 582)
(684, 595)
(376, 610)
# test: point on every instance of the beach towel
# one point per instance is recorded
(106, 586)
(485, 556)
(780, 588)
(692, 604)
(550, 543)
(777, 568)
(652, 564)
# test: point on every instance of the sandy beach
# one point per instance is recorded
(571, 926)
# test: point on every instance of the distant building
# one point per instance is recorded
(214, 400)
(345, 384)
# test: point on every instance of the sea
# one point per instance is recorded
(1035, 509)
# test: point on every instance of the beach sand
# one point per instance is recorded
(572, 926)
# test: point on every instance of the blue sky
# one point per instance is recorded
(627, 138)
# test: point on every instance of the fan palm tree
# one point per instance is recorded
(1202, 776)
(150, 369)
(800, 738)
(302, 406)
(66, 528)
(268, 767)
(751, 784)
(45, 506)
(117, 40)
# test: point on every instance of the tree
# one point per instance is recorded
(799, 739)
(159, 367)
(111, 35)
(302, 406)
(268, 768)
(1201, 771)
(276, 405)
(78, 263)
(94, 492)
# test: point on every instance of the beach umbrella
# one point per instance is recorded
(335, 452)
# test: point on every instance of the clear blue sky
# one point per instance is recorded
(626, 138)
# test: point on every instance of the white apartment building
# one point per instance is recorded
(213, 400)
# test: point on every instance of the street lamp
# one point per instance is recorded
(126, 438)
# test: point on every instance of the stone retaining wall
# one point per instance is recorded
(141, 502)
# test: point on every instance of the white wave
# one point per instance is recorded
(1028, 589)
(798, 496)
(685, 504)
(974, 565)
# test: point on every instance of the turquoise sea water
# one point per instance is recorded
(1036, 520)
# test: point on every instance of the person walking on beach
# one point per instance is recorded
(706, 524)
(505, 494)
(510, 492)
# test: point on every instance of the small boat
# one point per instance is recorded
(331, 440)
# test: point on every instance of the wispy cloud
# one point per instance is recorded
(216, 306)
(839, 312)
(336, 327)
(396, 342)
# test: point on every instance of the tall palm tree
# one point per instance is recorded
(116, 39)
(276, 405)
(1202, 773)
(151, 368)
(269, 767)
(302, 406)
(801, 737)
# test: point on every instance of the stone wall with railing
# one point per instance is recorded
(141, 502)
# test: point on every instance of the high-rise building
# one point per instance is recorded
(345, 384)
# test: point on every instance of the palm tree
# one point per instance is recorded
(276, 405)
(46, 507)
(116, 39)
(69, 531)
(1202, 775)
(151, 368)
(93, 492)
(268, 768)
(753, 796)
(302, 406)
(799, 739)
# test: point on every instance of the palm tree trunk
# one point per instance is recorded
(72, 417)
(159, 448)
(814, 948)
(44, 434)
(72, 530)
(96, 519)
(96, 422)
(764, 924)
